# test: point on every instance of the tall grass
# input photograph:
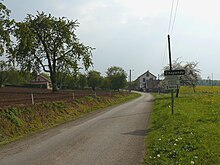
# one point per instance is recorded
(191, 135)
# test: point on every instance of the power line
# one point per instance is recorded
(164, 54)
(169, 26)
(174, 18)
(171, 15)
(171, 22)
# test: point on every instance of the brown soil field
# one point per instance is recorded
(14, 96)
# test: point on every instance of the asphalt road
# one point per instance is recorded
(113, 136)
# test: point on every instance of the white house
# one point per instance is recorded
(146, 80)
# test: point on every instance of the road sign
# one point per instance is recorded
(171, 77)
(172, 82)
(168, 87)
(174, 72)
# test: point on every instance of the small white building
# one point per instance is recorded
(144, 79)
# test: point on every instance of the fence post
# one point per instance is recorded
(73, 96)
(95, 94)
(32, 98)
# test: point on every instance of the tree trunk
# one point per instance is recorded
(93, 88)
(54, 82)
(194, 88)
(177, 92)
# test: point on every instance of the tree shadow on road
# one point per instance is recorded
(126, 115)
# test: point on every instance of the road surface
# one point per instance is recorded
(113, 136)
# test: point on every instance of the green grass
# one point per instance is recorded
(18, 122)
(191, 135)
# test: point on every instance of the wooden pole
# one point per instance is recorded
(130, 81)
(73, 96)
(32, 98)
(170, 60)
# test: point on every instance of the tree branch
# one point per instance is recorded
(47, 53)
(43, 66)
(62, 57)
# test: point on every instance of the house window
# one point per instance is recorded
(144, 80)
(147, 74)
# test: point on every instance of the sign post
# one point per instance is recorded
(172, 77)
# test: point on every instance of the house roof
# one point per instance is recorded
(146, 73)
(43, 77)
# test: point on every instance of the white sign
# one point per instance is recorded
(172, 77)
(172, 82)
(172, 87)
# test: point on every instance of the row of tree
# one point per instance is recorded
(115, 78)
(209, 82)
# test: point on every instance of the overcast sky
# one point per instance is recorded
(133, 34)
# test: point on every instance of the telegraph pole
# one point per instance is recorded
(130, 81)
(170, 60)
(169, 48)
(212, 80)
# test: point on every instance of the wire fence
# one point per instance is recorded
(21, 96)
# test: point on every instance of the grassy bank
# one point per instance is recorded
(192, 135)
(18, 122)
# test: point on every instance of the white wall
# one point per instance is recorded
(143, 79)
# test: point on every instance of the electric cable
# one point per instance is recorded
(171, 15)
(169, 26)
(164, 55)
(171, 22)
(174, 18)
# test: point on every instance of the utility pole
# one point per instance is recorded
(212, 80)
(130, 81)
(170, 60)
(169, 49)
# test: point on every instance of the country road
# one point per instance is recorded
(113, 136)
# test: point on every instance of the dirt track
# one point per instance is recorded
(27, 96)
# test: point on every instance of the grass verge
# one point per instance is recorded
(18, 122)
(191, 135)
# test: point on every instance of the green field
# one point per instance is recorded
(191, 135)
